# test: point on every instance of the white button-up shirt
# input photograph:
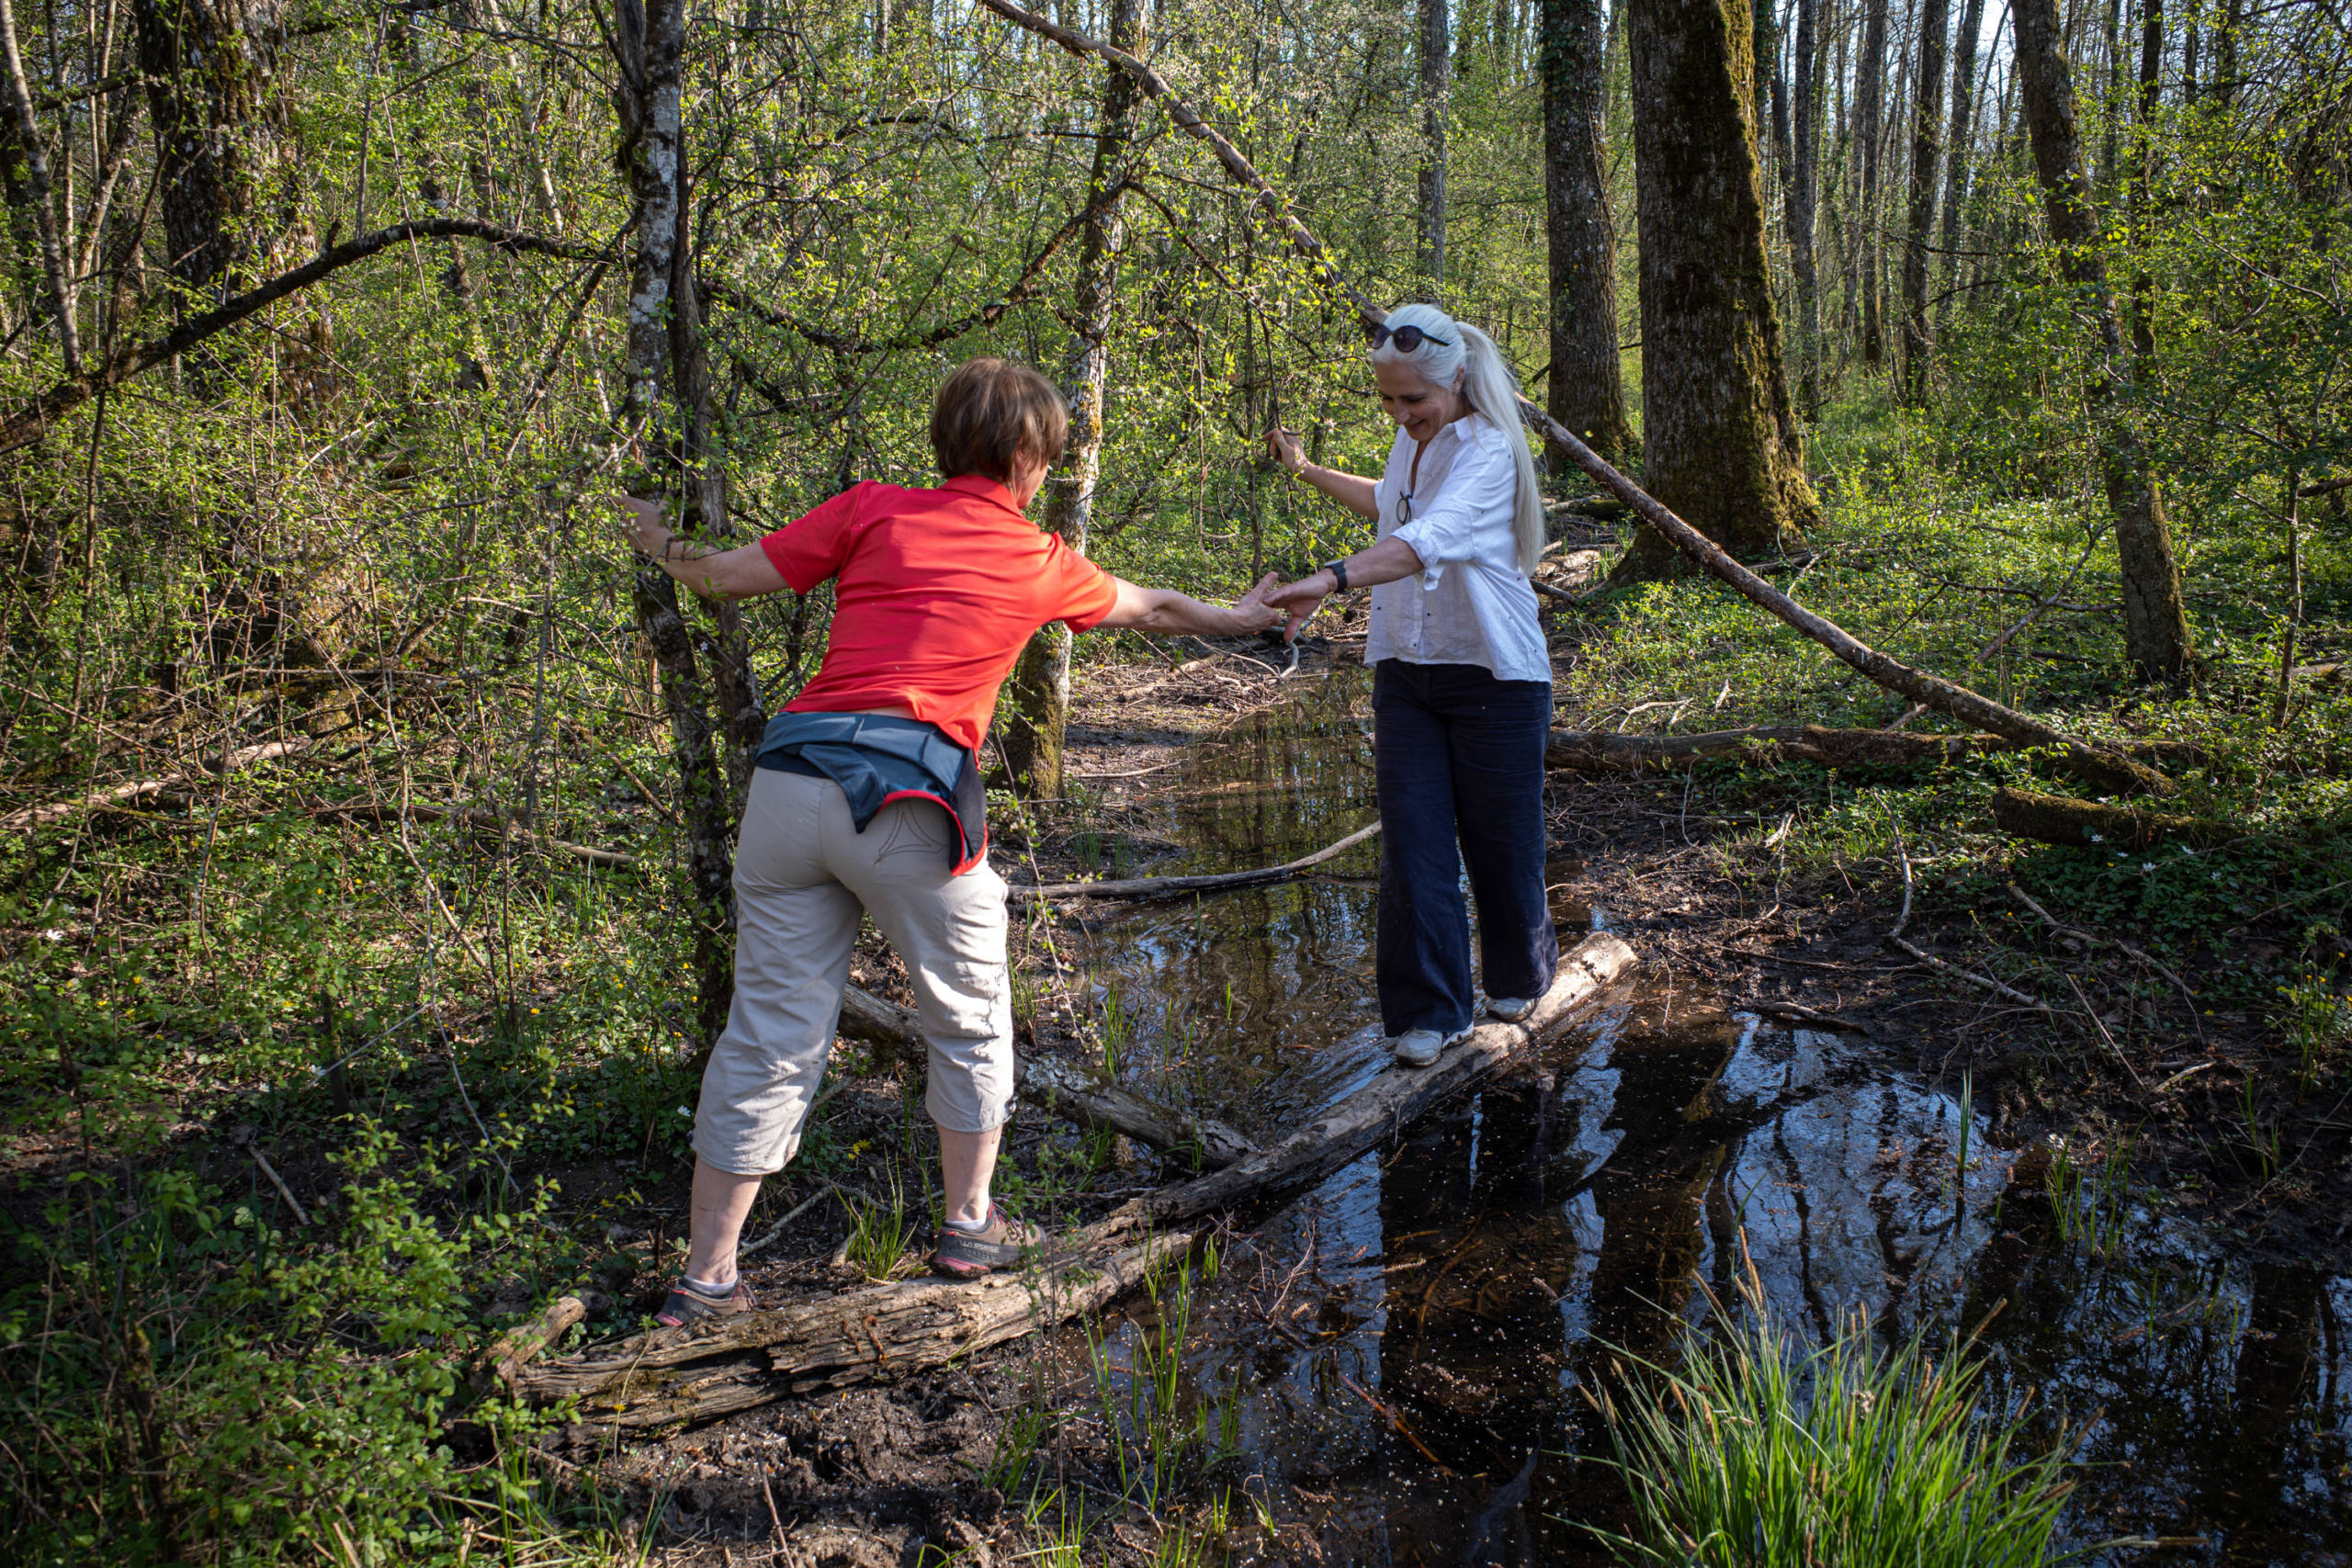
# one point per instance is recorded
(1471, 604)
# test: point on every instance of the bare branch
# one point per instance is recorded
(30, 422)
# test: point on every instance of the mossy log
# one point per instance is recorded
(704, 1371)
(2078, 824)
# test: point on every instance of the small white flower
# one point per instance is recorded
(683, 1111)
(2146, 866)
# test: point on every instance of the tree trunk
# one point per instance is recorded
(1433, 64)
(2143, 286)
(1870, 131)
(1585, 390)
(1039, 690)
(1803, 193)
(650, 44)
(1927, 114)
(1721, 443)
(2155, 623)
(211, 70)
(1960, 144)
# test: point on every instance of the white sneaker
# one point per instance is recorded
(1420, 1047)
(1510, 1009)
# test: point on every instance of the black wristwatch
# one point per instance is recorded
(1339, 570)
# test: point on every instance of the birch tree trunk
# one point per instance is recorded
(1585, 390)
(1926, 118)
(1434, 70)
(1040, 685)
(649, 43)
(2155, 622)
(1720, 441)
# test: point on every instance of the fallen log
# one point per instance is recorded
(2079, 824)
(1594, 751)
(2099, 766)
(704, 1371)
(722, 1365)
(1171, 887)
(1063, 1088)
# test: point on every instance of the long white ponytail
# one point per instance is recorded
(1468, 359)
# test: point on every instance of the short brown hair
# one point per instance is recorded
(991, 413)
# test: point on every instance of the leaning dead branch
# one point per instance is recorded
(2099, 766)
(30, 422)
(699, 1372)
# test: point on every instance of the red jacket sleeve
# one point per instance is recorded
(1076, 591)
(806, 552)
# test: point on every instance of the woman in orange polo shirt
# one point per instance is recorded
(868, 797)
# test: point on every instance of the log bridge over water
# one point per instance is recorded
(677, 1376)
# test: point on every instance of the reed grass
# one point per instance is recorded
(1761, 1453)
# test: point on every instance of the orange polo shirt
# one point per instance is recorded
(936, 593)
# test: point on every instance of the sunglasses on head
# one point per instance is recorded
(1406, 339)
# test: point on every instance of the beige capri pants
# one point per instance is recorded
(802, 873)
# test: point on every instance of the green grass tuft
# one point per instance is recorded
(1759, 1453)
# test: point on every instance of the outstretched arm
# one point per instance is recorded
(743, 572)
(1163, 612)
(1385, 563)
(1350, 490)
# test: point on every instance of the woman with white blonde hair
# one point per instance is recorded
(1462, 681)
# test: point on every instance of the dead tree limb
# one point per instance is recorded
(1599, 751)
(674, 1376)
(1062, 1087)
(243, 757)
(30, 422)
(2103, 768)
(1169, 886)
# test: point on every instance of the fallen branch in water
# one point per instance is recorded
(1168, 886)
(672, 1376)
(2101, 767)
(1084, 1100)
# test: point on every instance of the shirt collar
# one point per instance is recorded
(985, 489)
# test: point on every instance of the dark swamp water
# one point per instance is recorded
(1406, 1350)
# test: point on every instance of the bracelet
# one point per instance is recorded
(1339, 570)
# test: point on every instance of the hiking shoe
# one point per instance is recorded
(1510, 1009)
(686, 1304)
(1420, 1047)
(969, 1254)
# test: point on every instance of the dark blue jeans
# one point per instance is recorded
(1459, 757)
